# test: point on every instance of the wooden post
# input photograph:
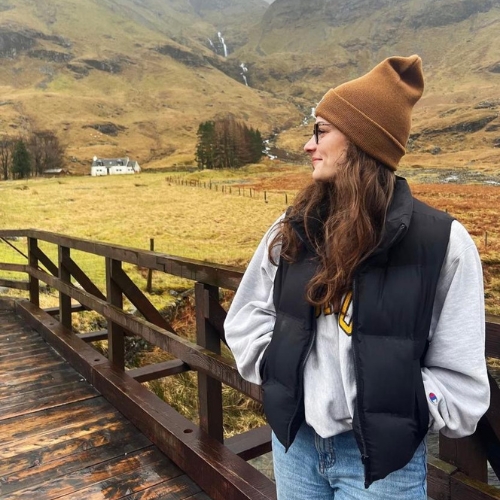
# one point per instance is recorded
(265, 196)
(209, 389)
(116, 334)
(149, 286)
(34, 284)
(286, 199)
(65, 277)
(467, 454)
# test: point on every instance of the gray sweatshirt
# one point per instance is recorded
(454, 371)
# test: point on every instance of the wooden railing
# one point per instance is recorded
(217, 465)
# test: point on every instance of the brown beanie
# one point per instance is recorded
(374, 111)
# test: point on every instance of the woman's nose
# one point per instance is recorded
(310, 145)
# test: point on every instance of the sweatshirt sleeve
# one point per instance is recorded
(250, 320)
(454, 371)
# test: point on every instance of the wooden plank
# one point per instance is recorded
(158, 370)
(26, 372)
(65, 277)
(209, 389)
(217, 317)
(85, 282)
(12, 343)
(139, 300)
(199, 496)
(41, 381)
(46, 379)
(96, 435)
(467, 454)
(117, 478)
(223, 475)
(18, 268)
(24, 432)
(12, 361)
(42, 258)
(438, 478)
(493, 413)
(14, 233)
(196, 270)
(80, 355)
(462, 487)
(116, 334)
(15, 284)
(93, 336)
(178, 488)
(54, 311)
(492, 336)
(48, 398)
(34, 284)
(252, 443)
(32, 479)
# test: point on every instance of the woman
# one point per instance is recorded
(362, 310)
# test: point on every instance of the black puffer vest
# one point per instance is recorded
(393, 294)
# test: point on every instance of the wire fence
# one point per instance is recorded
(249, 192)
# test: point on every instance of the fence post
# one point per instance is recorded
(34, 284)
(149, 286)
(116, 334)
(467, 454)
(65, 277)
(209, 389)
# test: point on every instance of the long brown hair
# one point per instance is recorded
(343, 220)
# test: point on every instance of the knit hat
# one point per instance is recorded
(374, 111)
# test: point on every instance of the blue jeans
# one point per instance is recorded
(330, 469)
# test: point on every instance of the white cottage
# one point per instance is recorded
(114, 166)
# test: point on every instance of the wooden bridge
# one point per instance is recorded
(76, 424)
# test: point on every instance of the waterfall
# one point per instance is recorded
(244, 70)
(221, 40)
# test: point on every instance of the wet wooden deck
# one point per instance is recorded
(61, 439)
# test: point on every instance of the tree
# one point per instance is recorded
(46, 151)
(21, 160)
(205, 147)
(227, 143)
(6, 146)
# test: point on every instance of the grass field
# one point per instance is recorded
(214, 225)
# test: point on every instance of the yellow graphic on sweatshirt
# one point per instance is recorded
(345, 314)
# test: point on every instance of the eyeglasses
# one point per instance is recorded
(317, 131)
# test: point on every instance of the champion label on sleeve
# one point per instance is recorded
(433, 398)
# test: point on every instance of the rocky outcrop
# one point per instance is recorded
(80, 69)
(182, 55)
(50, 55)
(468, 126)
(107, 128)
(107, 66)
(12, 43)
(437, 14)
(494, 68)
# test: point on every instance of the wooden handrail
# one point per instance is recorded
(213, 369)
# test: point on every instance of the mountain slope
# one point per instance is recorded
(301, 50)
(136, 77)
(119, 77)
